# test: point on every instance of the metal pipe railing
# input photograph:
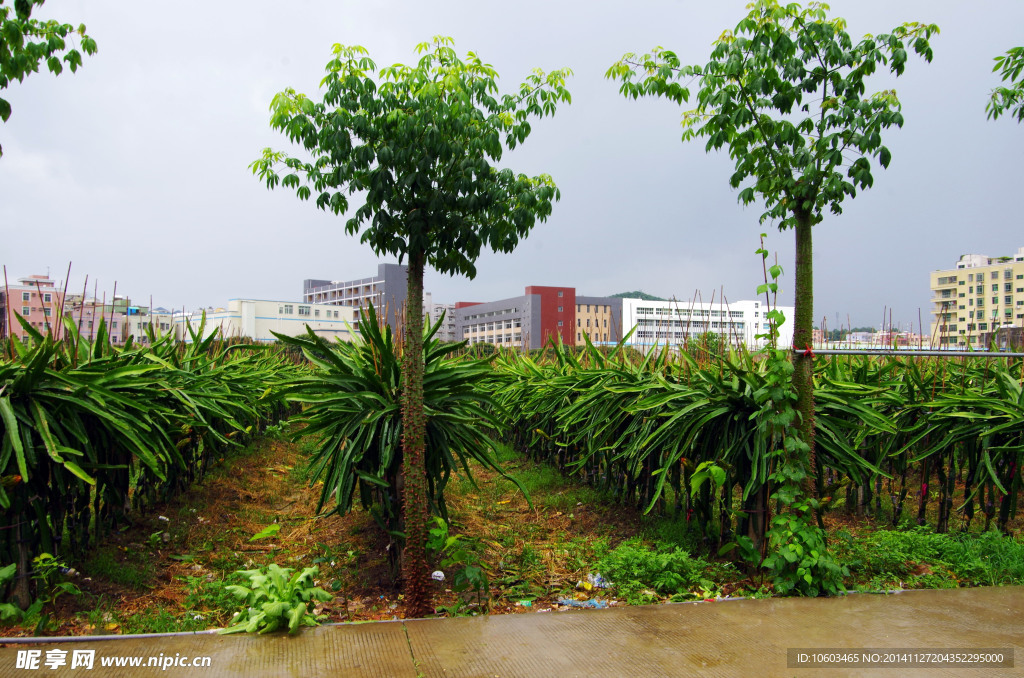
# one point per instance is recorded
(907, 352)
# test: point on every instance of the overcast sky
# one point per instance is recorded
(135, 168)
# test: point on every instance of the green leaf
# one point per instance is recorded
(884, 156)
(268, 531)
(13, 435)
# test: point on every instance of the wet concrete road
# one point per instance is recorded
(726, 638)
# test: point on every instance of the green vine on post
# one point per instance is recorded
(798, 559)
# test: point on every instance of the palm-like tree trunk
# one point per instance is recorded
(803, 326)
(414, 560)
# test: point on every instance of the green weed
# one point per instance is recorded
(642, 573)
(921, 558)
(161, 620)
(276, 599)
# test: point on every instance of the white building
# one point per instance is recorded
(255, 319)
(672, 323)
(433, 312)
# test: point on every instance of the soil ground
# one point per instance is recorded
(168, 569)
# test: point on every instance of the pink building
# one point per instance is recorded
(36, 299)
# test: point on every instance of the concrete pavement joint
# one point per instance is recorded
(412, 653)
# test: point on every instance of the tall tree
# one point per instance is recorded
(1010, 97)
(26, 42)
(421, 141)
(786, 93)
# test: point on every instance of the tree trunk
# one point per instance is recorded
(414, 425)
(756, 522)
(803, 326)
(21, 596)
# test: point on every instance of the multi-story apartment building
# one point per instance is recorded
(256, 319)
(980, 296)
(121, 318)
(433, 311)
(600, 318)
(524, 322)
(541, 314)
(386, 291)
(36, 299)
(671, 323)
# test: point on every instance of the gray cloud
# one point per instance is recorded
(135, 168)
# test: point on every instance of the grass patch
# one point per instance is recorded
(921, 558)
(673, 530)
(160, 619)
(132, 569)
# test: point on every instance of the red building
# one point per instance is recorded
(526, 322)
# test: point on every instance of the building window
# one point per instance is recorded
(606, 322)
(46, 297)
(46, 312)
(25, 296)
(559, 323)
(24, 310)
(578, 337)
(578, 321)
(304, 310)
(559, 293)
(995, 274)
(559, 309)
(316, 312)
(287, 309)
(970, 277)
